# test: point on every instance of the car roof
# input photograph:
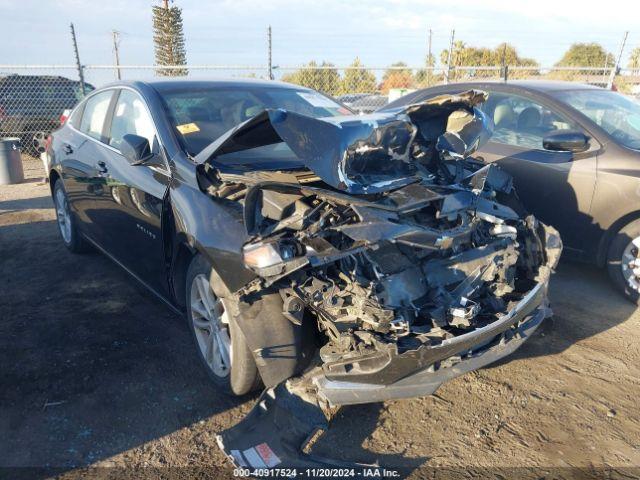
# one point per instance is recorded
(163, 85)
(543, 86)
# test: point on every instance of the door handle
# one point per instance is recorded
(102, 167)
(68, 149)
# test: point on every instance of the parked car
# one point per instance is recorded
(361, 257)
(574, 153)
(31, 106)
(348, 98)
(368, 103)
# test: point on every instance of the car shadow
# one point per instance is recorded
(94, 366)
(353, 425)
(7, 206)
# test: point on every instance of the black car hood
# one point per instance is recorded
(366, 153)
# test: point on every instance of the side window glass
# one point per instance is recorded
(522, 122)
(95, 111)
(76, 116)
(130, 118)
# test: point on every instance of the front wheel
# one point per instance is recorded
(623, 261)
(221, 345)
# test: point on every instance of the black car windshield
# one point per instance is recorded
(618, 115)
(201, 115)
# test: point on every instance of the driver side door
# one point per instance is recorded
(557, 187)
(130, 205)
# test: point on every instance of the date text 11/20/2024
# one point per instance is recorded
(364, 472)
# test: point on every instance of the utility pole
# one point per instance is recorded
(449, 57)
(116, 53)
(505, 68)
(270, 65)
(78, 64)
(429, 60)
(616, 68)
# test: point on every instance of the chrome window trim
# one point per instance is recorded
(166, 172)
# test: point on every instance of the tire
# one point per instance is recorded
(207, 313)
(67, 224)
(621, 254)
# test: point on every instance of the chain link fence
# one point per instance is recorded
(367, 89)
(33, 98)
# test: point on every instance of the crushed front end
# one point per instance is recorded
(415, 262)
(423, 278)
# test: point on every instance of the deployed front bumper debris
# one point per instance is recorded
(279, 431)
(412, 262)
(288, 419)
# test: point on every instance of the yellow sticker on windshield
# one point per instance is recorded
(188, 128)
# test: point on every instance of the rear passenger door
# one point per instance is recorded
(557, 187)
(129, 208)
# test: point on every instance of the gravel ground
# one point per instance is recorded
(96, 372)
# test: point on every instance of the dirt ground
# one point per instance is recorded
(96, 372)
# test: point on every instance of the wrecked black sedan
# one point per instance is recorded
(331, 258)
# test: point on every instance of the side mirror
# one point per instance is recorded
(135, 149)
(566, 141)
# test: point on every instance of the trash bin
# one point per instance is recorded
(10, 161)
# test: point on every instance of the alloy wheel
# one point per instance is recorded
(630, 264)
(210, 321)
(63, 215)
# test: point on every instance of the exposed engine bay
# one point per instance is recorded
(403, 249)
(421, 264)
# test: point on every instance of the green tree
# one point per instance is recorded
(586, 55)
(357, 79)
(425, 77)
(506, 54)
(168, 39)
(398, 75)
(634, 61)
(324, 77)
(463, 55)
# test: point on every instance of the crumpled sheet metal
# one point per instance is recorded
(365, 153)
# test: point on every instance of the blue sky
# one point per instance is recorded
(233, 32)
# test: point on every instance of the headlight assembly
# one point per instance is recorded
(268, 254)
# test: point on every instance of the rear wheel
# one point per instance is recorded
(220, 343)
(67, 227)
(623, 261)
